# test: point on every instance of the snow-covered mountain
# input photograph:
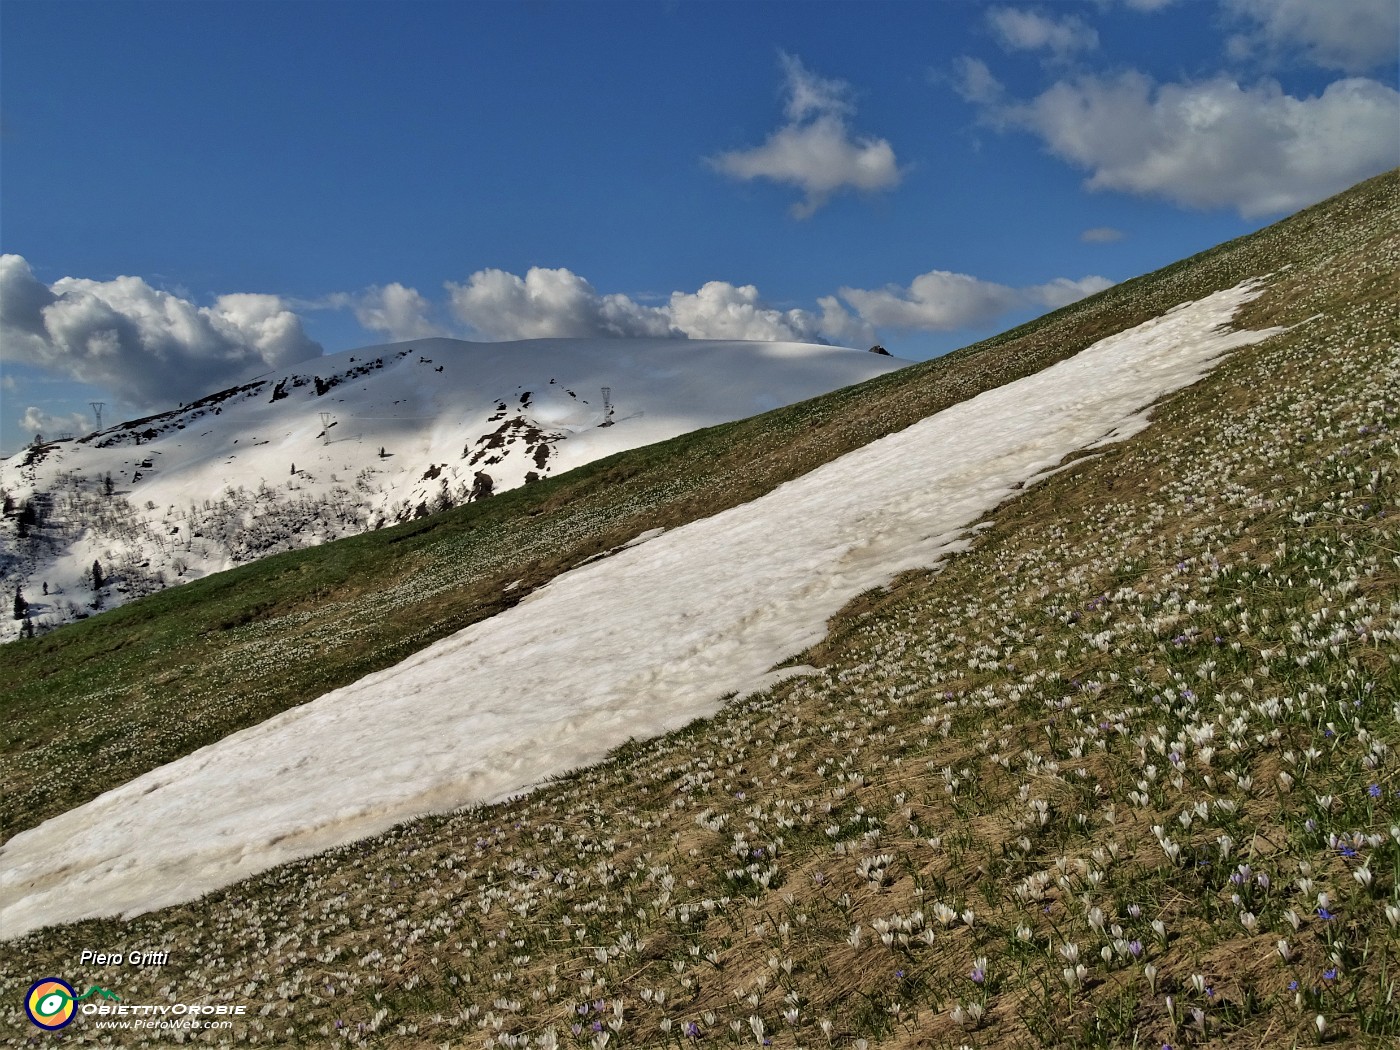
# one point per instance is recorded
(360, 439)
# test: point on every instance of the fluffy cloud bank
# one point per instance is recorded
(559, 303)
(398, 312)
(1210, 144)
(944, 301)
(816, 150)
(548, 304)
(149, 348)
(146, 346)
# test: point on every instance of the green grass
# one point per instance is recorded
(1223, 588)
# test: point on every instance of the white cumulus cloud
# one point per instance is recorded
(399, 312)
(816, 151)
(842, 327)
(146, 346)
(558, 303)
(1021, 30)
(1214, 143)
(1101, 235)
(720, 310)
(1062, 291)
(547, 304)
(943, 301)
(1350, 35)
(936, 301)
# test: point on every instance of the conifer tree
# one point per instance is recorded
(28, 518)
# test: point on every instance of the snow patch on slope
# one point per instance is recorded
(629, 646)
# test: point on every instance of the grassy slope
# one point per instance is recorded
(95, 704)
(1149, 639)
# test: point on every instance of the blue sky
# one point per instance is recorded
(193, 192)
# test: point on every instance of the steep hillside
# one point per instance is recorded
(1123, 771)
(357, 440)
(628, 646)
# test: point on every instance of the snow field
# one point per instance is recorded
(628, 646)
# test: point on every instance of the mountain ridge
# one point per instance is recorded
(360, 439)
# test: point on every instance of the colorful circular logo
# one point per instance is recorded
(50, 1003)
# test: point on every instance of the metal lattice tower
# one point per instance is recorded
(607, 407)
(326, 428)
(97, 407)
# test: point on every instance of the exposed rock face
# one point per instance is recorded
(482, 486)
(878, 349)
